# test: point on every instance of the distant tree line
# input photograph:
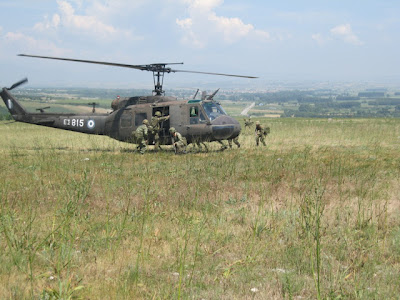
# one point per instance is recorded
(347, 98)
(371, 94)
(384, 101)
(277, 97)
(318, 103)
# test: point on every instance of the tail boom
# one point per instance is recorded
(90, 123)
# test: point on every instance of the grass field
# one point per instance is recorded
(313, 215)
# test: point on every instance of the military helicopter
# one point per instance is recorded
(197, 120)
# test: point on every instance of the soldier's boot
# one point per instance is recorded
(223, 146)
(156, 146)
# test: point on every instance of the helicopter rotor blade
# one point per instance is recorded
(17, 84)
(210, 73)
(157, 67)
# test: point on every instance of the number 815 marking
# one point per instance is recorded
(74, 122)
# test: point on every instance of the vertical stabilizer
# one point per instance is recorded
(12, 104)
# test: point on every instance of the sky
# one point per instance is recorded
(287, 40)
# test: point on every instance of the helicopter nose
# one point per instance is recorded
(225, 127)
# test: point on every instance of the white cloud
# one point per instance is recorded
(204, 6)
(88, 24)
(319, 38)
(342, 32)
(24, 42)
(204, 26)
(111, 10)
(190, 36)
(47, 24)
(345, 33)
(67, 19)
(232, 29)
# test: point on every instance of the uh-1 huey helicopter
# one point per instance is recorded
(197, 120)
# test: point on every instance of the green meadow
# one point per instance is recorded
(314, 215)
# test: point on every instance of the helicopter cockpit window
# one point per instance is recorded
(194, 114)
(202, 118)
(139, 117)
(213, 110)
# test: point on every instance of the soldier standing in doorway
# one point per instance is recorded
(155, 124)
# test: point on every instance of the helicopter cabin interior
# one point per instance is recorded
(140, 115)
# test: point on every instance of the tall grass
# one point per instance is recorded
(312, 215)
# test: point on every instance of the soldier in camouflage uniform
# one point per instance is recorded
(235, 140)
(198, 144)
(178, 141)
(155, 124)
(223, 146)
(261, 133)
(247, 123)
(141, 135)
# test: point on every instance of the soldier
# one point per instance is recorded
(235, 140)
(260, 133)
(178, 141)
(198, 144)
(247, 123)
(223, 146)
(141, 134)
(155, 124)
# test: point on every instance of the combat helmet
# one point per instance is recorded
(172, 130)
(145, 122)
(157, 114)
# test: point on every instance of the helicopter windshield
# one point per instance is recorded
(213, 110)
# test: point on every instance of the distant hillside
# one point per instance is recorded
(317, 103)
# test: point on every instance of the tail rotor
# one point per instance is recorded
(17, 84)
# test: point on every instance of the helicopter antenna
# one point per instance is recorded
(194, 97)
(93, 104)
(211, 97)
